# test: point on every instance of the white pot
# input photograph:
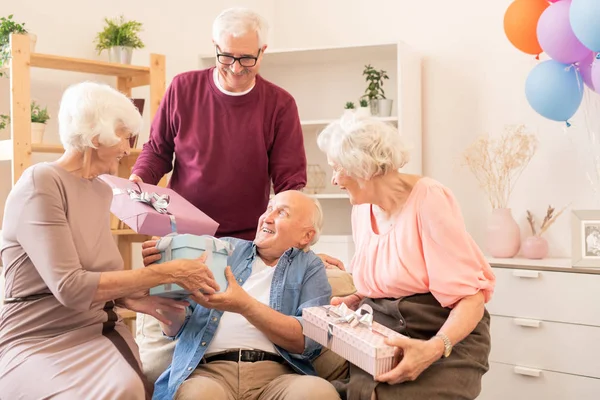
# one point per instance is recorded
(363, 112)
(384, 107)
(120, 55)
(37, 132)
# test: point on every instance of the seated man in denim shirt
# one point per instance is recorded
(247, 342)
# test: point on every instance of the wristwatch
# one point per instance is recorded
(447, 344)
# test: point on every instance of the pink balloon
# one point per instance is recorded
(556, 36)
(585, 68)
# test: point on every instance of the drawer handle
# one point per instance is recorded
(531, 323)
(528, 371)
(526, 274)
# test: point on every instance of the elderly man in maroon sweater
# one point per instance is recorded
(230, 130)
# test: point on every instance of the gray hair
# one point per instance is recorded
(238, 21)
(364, 147)
(317, 220)
(90, 109)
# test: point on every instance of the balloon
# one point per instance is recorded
(595, 72)
(554, 90)
(556, 36)
(520, 24)
(585, 69)
(585, 18)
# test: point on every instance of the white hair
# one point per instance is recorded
(238, 21)
(364, 147)
(90, 109)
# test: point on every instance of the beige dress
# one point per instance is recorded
(55, 342)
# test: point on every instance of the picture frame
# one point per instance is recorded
(585, 238)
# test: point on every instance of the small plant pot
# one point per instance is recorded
(384, 107)
(37, 132)
(534, 248)
(120, 54)
(374, 106)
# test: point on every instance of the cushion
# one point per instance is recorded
(156, 351)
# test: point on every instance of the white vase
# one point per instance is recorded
(503, 235)
(363, 112)
(37, 132)
(384, 108)
(120, 54)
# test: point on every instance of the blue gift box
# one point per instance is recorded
(187, 246)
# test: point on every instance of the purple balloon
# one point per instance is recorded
(585, 68)
(556, 36)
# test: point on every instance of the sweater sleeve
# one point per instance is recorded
(156, 158)
(455, 265)
(45, 235)
(287, 158)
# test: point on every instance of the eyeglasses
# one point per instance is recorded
(245, 61)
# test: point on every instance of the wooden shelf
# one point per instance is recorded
(58, 149)
(324, 122)
(119, 232)
(125, 313)
(87, 66)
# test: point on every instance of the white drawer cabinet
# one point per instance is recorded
(545, 330)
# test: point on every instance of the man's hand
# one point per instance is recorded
(233, 299)
(135, 178)
(331, 262)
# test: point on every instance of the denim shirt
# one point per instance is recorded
(299, 281)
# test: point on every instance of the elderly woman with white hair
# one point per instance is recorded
(415, 265)
(59, 334)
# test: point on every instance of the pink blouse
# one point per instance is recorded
(427, 250)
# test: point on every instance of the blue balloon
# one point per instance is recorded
(584, 16)
(554, 90)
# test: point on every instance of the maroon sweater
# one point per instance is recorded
(227, 148)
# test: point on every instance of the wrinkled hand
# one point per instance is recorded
(234, 299)
(414, 357)
(352, 301)
(155, 306)
(149, 252)
(195, 276)
(331, 262)
(135, 178)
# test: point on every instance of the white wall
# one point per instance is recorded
(179, 30)
(473, 84)
(473, 78)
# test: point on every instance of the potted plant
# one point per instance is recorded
(7, 27)
(363, 110)
(380, 105)
(119, 37)
(39, 117)
(4, 121)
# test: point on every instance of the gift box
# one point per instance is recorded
(156, 211)
(176, 247)
(352, 335)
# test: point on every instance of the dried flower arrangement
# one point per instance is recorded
(498, 163)
(546, 223)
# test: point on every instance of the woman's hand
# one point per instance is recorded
(414, 357)
(352, 301)
(150, 253)
(192, 275)
(158, 307)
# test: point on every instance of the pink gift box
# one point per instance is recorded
(156, 211)
(361, 343)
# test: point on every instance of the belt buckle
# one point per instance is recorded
(240, 355)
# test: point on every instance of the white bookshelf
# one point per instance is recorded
(322, 80)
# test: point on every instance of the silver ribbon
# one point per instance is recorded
(344, 315)
(160, 202)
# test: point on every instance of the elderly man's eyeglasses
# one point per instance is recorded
(245, 61)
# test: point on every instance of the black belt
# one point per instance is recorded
(31, 297)
(244, 356)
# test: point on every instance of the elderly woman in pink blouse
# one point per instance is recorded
(415, 265)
